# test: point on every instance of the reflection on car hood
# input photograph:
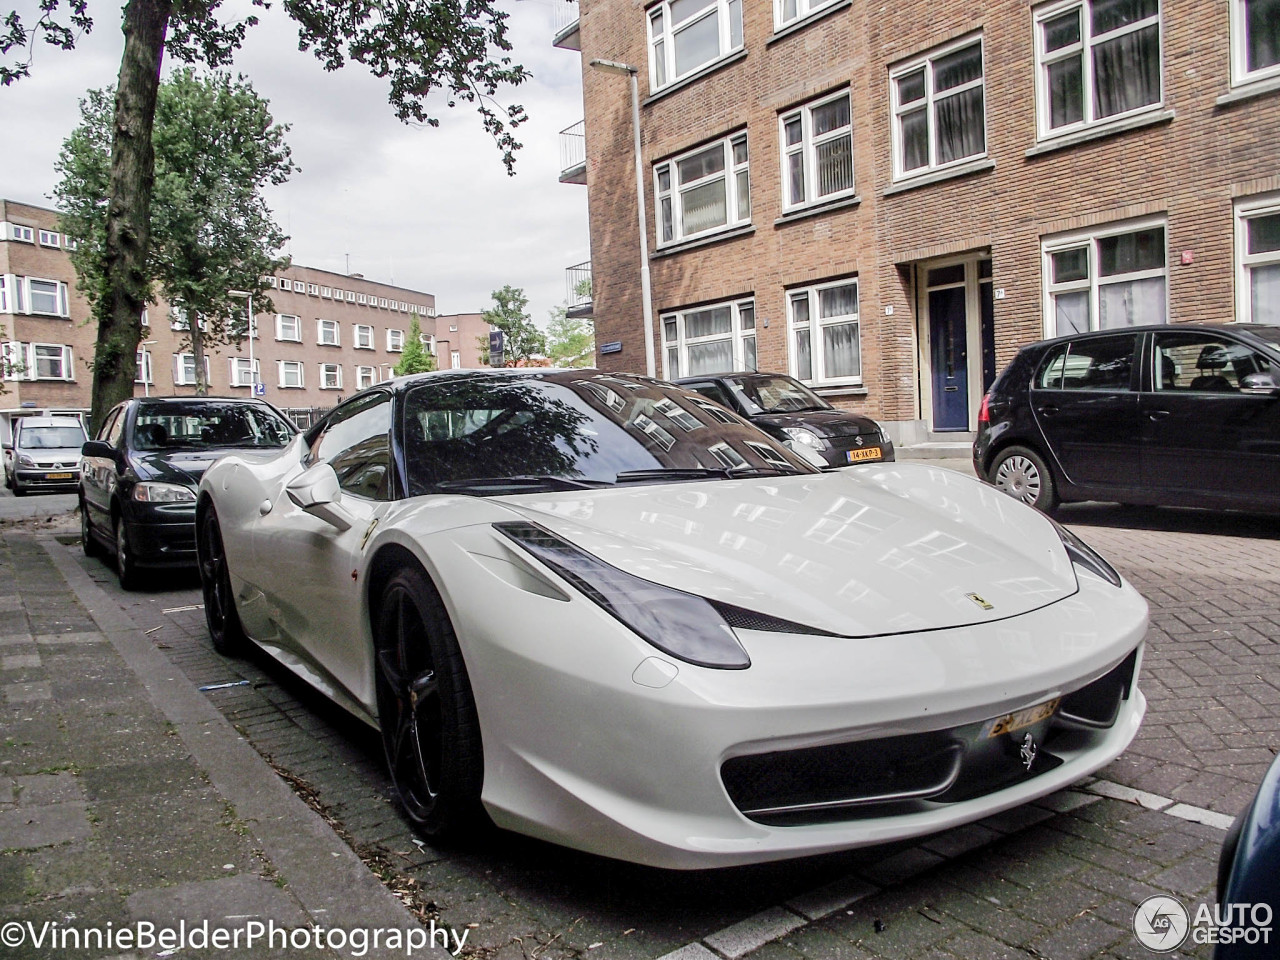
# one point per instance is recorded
(825, 423)
(180, 466)
(896, 549)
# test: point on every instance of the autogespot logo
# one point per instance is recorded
(1161, 924)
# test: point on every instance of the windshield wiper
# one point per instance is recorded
(523, 480)
(703, 473)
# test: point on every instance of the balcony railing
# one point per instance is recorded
(578, 281)
(567, 36)
(573, 153)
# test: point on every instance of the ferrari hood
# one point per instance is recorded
(856, 553)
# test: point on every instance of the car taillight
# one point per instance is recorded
(984, 414)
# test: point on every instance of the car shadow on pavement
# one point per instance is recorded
(1220, 523)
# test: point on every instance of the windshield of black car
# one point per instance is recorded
(208, 425)
(567, 426)
(779, 394)
(1270, 334)
(50, 438)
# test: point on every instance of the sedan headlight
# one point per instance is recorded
(806, 436)
(677, 623)
(25, 461)
(152, 492)
(1084, 555)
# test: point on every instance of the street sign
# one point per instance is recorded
(495, 348)
(259, 389)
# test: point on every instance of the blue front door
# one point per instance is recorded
(950, 360)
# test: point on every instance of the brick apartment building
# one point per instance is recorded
(329, 336)
(888, 201)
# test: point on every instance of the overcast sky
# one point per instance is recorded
(427, 208)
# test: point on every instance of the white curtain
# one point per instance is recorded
(1126, 71)
(1130, 303)
(1071, 312)
(1264, 286)
(841, 356)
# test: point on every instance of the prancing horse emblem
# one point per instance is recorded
(980, 601)
(1028, 751)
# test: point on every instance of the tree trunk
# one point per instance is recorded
(125, 276)
(197, 353)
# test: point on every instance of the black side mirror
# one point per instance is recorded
(1262, 383)
(96, 448)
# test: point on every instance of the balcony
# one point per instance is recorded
(567, 36)
(573, 153)
(578, 281)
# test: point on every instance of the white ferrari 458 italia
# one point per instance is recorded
(607, 612)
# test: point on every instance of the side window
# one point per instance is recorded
(356, 441)
(1205, 362)
(712, 391)
(115, 428)
(1104, 363)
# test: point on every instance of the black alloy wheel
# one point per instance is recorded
(87, 543)
(126, 565)
(426, 710)
(215, 583)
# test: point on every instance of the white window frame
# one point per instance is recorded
(361, 299)
(67, 370)
(453, 328)
(299, 286)
(332, 326)
(742, 327)
(61, 307)
(365, 377)
(180, 364)
(330, 370)
(808, 149)
(270, 282)
(1245, 210)
(1084, 49)
(931, 98)
(326, 292)
(803, 9)
(50, 238)
(313, 289)
(1240, 72)
(284, 284)
(8, 289)
(295, 323)
(382, 302)
(283, 367)
(1088, 240)
(362, 336)
(671, 197)
(395, 341)
(70, 243)
(238, 374)
(815, 325)
(20, 233)
(455, 359)
(351, 296)
(146, 369)
(662, 34)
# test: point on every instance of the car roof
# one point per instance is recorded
(1200, 325)
(49, 422)
(157, 401)
(551, 374)
(735, 375)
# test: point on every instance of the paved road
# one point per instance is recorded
(34, 504)
(1059, 879)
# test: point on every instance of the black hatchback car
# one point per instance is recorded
(138, 478)
(787, 410)
(1178, 414)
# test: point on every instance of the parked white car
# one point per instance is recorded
(584, 605)
(44, 455)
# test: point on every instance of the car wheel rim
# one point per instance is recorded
(213, 566)
(1019, 477)
(84, 524)
(122, 551)
(413, 738)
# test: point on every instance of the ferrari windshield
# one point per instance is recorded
(778, 394)
(162, 426)
(490, 434)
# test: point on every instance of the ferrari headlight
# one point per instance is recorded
(804, 435)
(152, 492)
(1084, 555)
(677, 623)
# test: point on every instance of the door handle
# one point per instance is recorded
(950, 389)
(1157, 414)
(1048, 409)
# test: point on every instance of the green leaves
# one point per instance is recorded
(523, 338)
(414, 358)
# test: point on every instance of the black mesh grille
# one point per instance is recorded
(750, 620)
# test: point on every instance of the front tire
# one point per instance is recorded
(126, 565)
(220, 613)
(426, 710)
(87, 543)
(1022, 474)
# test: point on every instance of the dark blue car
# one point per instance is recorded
(1249, 874)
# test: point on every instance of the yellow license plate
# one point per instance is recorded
(57, 476)
(1023, 718)
(866, 453)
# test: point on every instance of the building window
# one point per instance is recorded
(326, 292)
(45, 297)
(351, 296)
(364, 377)
(50, 239)
(8, 283)
(453, 328)
(361, 299)
(184, 369)
(939, 110)
(685, 35)
(1255, 40)
(455, 360)
(817, 152)
(395, 341)
(313, 289)
(70, 243)
(713, 339)
(270, 281)
(704, 190)
(20, 233)
(240, 375)
(288, 327)
(143, 363)
(363, 337)
(826, 342)
(327, 332)
(330, 376)
(789, 11)
(1095, 61)
(1258, 256)
(1104, 280)
(299, 287)
(290, 373)
(382, 302)
(51, 362)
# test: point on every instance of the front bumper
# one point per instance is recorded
(163, 535)
(595, 740)
(47, 478)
